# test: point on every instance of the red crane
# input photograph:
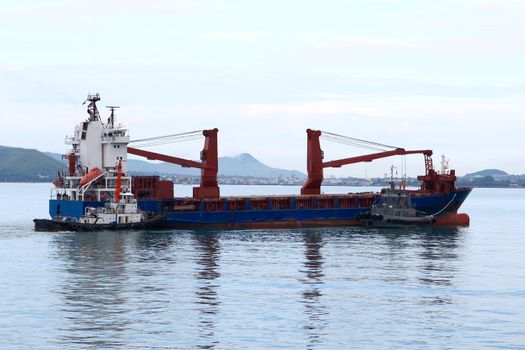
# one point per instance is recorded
(315, 164)
(209, 164)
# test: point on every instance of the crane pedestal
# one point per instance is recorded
(206, 192)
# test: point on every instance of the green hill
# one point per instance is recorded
(487, 172)
(27, 165)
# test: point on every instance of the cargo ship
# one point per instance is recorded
(100, 148)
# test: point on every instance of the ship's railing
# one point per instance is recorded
(70, 140)
(63, 193)
(117, 127)
(261, 203)
(103, 191)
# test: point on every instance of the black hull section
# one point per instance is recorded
(46, 225)
(369, 220)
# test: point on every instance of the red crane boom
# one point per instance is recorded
(315, 164)
(373, 156)
(209, 166)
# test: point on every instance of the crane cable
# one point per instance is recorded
(352, 141)
(162, 140)
(375, 146)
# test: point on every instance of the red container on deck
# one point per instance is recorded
(151, 187)
(165, 190)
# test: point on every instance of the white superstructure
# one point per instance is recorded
(97, 147)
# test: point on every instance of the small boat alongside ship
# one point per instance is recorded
(121, 213)
(394, 210)
(88, 194)
(113, 216)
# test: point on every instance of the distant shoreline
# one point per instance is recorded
(19, 165)
(270, 184)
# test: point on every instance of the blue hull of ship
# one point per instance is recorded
(431, 204)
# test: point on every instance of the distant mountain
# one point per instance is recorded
(246, 165)
(56, 156)
(487, 172)
(242, 165)
(28, 165)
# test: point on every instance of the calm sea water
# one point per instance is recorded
(329, 288)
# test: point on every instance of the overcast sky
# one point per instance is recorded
(445, 75)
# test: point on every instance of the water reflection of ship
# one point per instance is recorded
(207, 289)
(439, 257)
(94, 302)
(99, 300)
(312, 294)
(438, 260)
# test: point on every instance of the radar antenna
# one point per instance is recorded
(111, 119)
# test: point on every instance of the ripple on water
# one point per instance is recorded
(324, 288)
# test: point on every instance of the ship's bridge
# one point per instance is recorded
(115, 134)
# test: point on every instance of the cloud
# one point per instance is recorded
(234, 35)
(420, 74)
(111, 8)
(303, 109)
(351, 41)
(343, 49)
(98, 15)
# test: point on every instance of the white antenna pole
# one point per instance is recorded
(444, 165)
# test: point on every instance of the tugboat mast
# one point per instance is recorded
(392, 182)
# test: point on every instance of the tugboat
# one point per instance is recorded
(119, 214)
(395, 210)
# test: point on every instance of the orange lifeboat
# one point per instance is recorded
(91, 175)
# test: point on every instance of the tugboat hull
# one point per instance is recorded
(379, 221)
(69, 224)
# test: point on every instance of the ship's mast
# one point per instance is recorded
(92, 106)
(444, 165)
